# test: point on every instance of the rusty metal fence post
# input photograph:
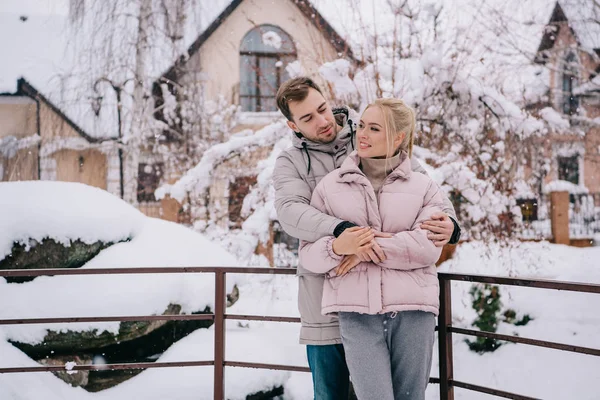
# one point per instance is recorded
(445, 341)
(219, 387)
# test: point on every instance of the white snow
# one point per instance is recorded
(63, 211)
(199, 178)
(70, 211)
(74, 143)
(294, 69)
(591, 86)
(10, 145)
(554, 119)
(337, 72)
(271, 38)
(565, 186)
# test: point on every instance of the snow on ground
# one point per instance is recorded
(557, 316)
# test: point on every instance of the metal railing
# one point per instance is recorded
(584, 217)
(445, 329)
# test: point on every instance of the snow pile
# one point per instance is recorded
(65, 212)
(70, 211)
(565, 186)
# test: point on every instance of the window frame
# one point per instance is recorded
(573, 160)
(256, 100)
(569, 78)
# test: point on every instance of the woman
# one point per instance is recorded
(387, 310)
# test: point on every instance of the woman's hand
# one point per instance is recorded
(347, 264)
(353, 240)
(373, 254)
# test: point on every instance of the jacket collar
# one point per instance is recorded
(342, 139)
(350, 170)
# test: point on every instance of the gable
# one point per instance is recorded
(59, 124)
(259, 12)
(215, 57)
(581, 24)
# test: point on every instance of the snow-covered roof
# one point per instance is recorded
(35, 49)
(588, 87)
(583, 17)
(32, 47)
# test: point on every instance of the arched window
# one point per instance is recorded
(264, 53)
(570, 102)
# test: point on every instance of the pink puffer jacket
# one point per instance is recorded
(407, 280)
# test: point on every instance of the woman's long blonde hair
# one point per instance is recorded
(398, 117)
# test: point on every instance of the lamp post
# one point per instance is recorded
(97, 104)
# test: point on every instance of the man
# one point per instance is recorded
(322, 139)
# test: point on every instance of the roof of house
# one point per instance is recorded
(582, 19)
(304, 6)
(25, 88)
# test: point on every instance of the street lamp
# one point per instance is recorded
(97, 105)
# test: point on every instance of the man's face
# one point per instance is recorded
(313, 118)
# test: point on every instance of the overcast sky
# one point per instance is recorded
(35, 6)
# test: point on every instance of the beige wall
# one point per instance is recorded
(86, 166)
(18, 116)
(219, 56)
(23, 166)
(52, 125)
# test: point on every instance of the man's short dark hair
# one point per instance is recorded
(295, 89)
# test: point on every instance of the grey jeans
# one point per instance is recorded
(388, 355)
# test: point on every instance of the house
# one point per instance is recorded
(39, 142)
(569, 51)
(243, 57)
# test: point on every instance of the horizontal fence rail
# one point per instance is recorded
(444, 328)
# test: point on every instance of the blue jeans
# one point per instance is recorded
(330, 374)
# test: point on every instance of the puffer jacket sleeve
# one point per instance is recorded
(412, 249)
(292, 204)
(318, 257)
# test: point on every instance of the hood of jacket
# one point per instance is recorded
(344, 136)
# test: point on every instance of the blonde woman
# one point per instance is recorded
(387, 310)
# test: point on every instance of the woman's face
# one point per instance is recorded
(371, 137)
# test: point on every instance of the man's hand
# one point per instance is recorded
(347, 264)
(353, 240)
(440, 228)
